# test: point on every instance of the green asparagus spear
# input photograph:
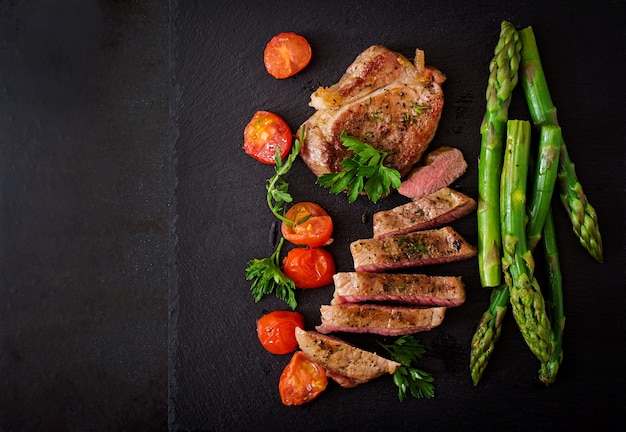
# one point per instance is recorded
(488, 329)
(545, 178)
(503, 70)
(488, 332)
(554, 297)
(543, 112)
(526, 300)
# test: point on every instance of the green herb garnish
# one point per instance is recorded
(266, 273)
(364, 172)
(268, 278)
(406, 350)
(412, 247)
(418, 109)
(277, 187)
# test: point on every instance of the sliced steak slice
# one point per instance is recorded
(383, 100)
(436, 209)
(419, 248)
(415, 289)
(345, 363)
(440, 168)
(379, 319)
(343, 381)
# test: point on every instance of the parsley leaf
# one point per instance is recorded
(267, 277)
(406, 350)
(364, 172)
(277, 187)
(266, 274)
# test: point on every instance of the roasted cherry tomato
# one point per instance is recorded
(277, 331)
(311, 225)
(302, 380)
(309, 267)
(266, 132)
(286, 54)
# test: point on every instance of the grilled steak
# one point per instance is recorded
(440, 168)
(419, 248)
(416, 289)
(345, 363)
(379, 319)
(436, 209)
(382, 99)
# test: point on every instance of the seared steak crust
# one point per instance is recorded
(384, 100)
(379, 319)
(341, 359)
(415, 289)
(436, 209)
(410, 250)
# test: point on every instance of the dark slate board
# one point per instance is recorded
(84, 222)
(220, 377)
(102, 215)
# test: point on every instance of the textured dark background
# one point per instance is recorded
(221, 378)
(84, 199)
(123, 185)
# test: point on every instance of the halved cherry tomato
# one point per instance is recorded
(302, 380)
(286, 54)
(309, 267)
(277, 331)
(311, 225)
(266, 132)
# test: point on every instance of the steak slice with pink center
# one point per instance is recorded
(379, 319)
(440, 168)
(345, 363)
(434, 210)
(414, 289)
(419, 248)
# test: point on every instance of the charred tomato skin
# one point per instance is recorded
(309, 267)
(266, 132)
(286, 54)
(276, 331)
(311, 225)
(302, 380)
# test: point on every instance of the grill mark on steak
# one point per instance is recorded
(415, 289)
(384, 100)
(418, 248)
(436, 209)
(379, 319)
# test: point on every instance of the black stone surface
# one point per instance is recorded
(84, 194)
(129, 211)
(220, 376)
